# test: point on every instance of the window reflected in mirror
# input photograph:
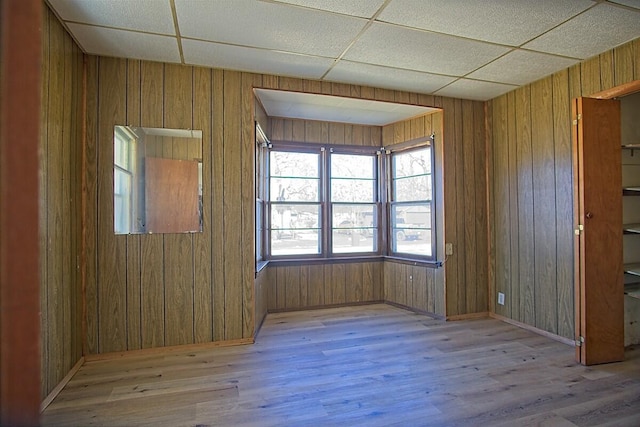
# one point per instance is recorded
(157, 180)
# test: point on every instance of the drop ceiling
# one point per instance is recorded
(465, 49)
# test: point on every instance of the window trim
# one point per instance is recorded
(400, 148)
(383, 182)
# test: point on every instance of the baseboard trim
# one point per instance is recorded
(168, 349)
(415, 310)
(56, 391)
(470, 316)
(533, 329)
(322, 307)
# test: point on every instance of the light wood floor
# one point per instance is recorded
(367, 365)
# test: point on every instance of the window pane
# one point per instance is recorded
(352, 166)
(412, 188)
(294, 165)
(412, 163)
(294, 189)
(122, 201)
(121, 150)
(353, 178)
(295, 229)
(354, 228)
(411, 229)
(352, 190)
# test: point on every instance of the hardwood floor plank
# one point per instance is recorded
(369, 365)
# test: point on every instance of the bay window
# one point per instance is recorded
(327, 201)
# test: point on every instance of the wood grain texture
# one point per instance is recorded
(60, 219)
(600, 210)
(178, 248)
(152, 246)
(232, 204)
(501, 211)
(542, 175)
(134, 282)
(202, 242)
(372, 365)
(564, 202)
(526, 231)
(544, 209)
(112, 251)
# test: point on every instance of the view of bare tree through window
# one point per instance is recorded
(329, 202)
(411, 202)
(353, 203)
(295, 203)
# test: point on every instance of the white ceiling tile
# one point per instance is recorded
(152, 16)
(268, 25)
(385, 77)
(598, 29)
(363, 9)
(630, 3)
(393, 46)
(475, 90)
(330, 108)
(218, 55)
(521, 67)
(126, 44)
(506, 22)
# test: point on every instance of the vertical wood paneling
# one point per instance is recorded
(337, 283)
(590, 76)
(501, 199)
(607, 71)
(623, 65)
(134, 340)
(450, 202)
(217, 190)
(202, 242)
(564, 202)
(112, 301)
(480, 214)
(526, 265)
(543, 291)
(152, 246)
(60, 225)
(91, 210)
(544, 195)
(459, 295)
(54, 278)
(291, 287)
(315, 285)
(178, 249)
(467, 286)
(513, 292)
(247, 166)
(232, 204)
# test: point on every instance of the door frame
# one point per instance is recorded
(615, 92)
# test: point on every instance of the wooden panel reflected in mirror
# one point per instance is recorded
(157, 180)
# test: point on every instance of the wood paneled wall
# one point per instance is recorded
(460, 287)
(152, 290)
(531, 189)
(60, 203)
(148, 291)
(317, 285)
(324, 132)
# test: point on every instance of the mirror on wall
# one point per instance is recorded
(157, 180)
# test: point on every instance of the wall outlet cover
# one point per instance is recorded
(500, 298)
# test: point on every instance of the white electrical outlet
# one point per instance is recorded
(448, 248)
(500, 298)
